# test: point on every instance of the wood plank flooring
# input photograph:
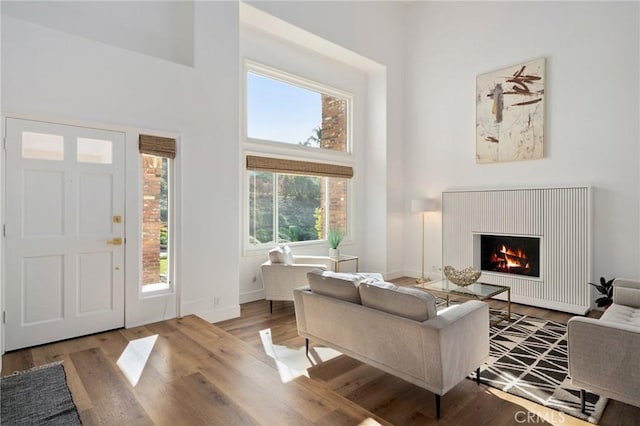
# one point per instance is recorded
(222, 374)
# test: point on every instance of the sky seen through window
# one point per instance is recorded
(280, 111)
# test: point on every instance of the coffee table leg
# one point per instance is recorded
(509, 304)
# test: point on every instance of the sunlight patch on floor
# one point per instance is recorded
(292, 363)
(135, 357)
(369, 422)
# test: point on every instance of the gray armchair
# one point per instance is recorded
(604, 354)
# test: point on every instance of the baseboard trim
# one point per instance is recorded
(210, 315)
(251, 296)
(223, 314)
(546, 304)
(392, 275)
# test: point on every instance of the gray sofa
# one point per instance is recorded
(604, 354)
(395, 329)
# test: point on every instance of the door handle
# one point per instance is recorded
(116, 241)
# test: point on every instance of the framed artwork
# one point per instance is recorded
(510, 113)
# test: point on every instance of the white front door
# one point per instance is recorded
(64, 232)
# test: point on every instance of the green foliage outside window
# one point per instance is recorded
(298, 199)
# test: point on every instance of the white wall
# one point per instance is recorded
(107, 71)
(55, 74)
(591, 125)
(163, 29)
(2, 217)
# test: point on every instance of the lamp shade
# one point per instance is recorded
(424, 205)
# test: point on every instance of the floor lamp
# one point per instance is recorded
(423, 206)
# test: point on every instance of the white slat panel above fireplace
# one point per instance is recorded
(560, 217)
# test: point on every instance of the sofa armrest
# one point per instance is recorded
(603, 357)
(464, 340)
(626, 292)
(301, 319)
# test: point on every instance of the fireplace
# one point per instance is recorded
(560, 219)
(508, 254)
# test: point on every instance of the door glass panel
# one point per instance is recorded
(95, 151)
(42, 146)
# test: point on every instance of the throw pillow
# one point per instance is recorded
(409, 303)
(287, 256)
(276, 255)
(338, 285)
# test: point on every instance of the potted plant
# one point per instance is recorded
(606, 289)
(334, 237)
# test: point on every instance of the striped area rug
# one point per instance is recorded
(528, 358)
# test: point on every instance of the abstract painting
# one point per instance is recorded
(510, 113)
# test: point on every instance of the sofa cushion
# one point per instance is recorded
(622, 314)
(339, 285)
(405, 302)
(370, 277)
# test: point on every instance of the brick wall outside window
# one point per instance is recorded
(334, 137)
(151, 223)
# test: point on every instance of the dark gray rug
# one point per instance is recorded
(528, 358)
(39, 396)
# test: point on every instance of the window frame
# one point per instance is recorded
(284, 150)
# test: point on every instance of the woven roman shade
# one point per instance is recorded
(158, 146)
(297, 167)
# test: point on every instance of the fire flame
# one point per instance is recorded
(507, 258)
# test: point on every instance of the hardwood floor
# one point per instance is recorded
(222, 374)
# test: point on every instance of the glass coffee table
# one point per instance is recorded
(479, 291)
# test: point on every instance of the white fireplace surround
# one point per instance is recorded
(560, 217)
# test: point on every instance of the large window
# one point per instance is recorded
(285, 109)
(292, 208)
(291, 123)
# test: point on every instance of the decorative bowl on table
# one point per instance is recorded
(463, 278)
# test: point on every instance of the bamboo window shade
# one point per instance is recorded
(297, 167)
(158, 146)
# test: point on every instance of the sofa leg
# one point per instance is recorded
(270, 306)
(306, 344)
(478, 375)
(583, 397)
(437, 406)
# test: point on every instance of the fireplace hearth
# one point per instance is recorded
(508, 254)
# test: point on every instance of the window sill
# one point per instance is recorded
(159, 289)
(320, 246)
